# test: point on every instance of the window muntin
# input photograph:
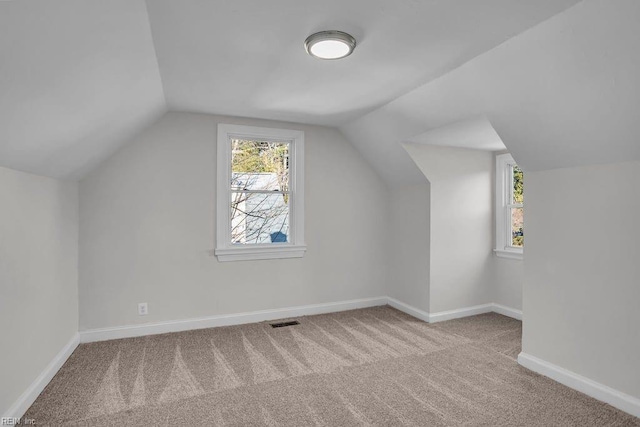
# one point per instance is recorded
(260, 199)
(509, 208)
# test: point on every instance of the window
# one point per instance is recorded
(509, 208)
(260, 198)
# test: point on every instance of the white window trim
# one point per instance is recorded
(503, 222)
(295, 248)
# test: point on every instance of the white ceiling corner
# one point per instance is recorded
(246, 58)
(563, 93)
(476, 133)
(77, 80)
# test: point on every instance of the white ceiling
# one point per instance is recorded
(246, 58)
(565, 93)
(476, 133)
(78, 78)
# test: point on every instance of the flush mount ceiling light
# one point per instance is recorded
(330, 44)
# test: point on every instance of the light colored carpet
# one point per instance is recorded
(374, 366)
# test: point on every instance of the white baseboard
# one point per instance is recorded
(454, 314)
(410, 310)
(129, 331)
(507, 311)
(29, 396)
(460, 312)
(589, 387)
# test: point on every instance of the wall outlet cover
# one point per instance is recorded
(142, 309)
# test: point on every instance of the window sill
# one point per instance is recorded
(508, 254)
(249, 253)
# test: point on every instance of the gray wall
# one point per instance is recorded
(38, 276)
(582, 272)
(147, 228)
(508, 280)
(463, 269)
(409, 259)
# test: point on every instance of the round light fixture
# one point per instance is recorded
(330, 44)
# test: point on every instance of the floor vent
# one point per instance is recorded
(283, 324)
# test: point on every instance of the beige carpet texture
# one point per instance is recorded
(375, 366)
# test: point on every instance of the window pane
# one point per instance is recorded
(259, 165)
(517, 231)
(259, 218)
(518, 195)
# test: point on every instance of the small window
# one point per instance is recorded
(509, 208)
(260, 193)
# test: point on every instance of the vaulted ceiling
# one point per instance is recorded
(564, 93)
(77, 79)
(553, 79)
(246, 58)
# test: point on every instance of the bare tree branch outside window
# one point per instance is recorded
(259, 192)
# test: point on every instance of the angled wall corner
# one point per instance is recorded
(461, 217)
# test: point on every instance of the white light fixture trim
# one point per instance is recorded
(330, 44)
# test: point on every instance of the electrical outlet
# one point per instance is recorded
(142, 309)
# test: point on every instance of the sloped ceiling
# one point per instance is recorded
(564, 93)
(476, 133)
(77, 80)
(246, 58)
(559, 86)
